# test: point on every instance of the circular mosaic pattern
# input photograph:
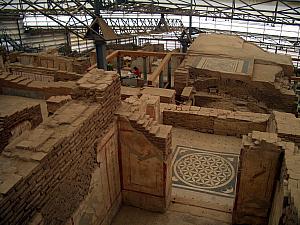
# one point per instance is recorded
(204, 170)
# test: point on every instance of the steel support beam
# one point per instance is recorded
(169, 74)
(145, 69)
(267, 11)
(119, 66)
(101, 54)
(161, 80)
(158, 72)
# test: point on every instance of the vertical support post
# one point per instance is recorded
(149, 63)
(232, 10)
(78, 44)
(184, 46)
(145, 69)
(275, 11)
(68, 41)
(169, 74)
(97, 7)
(101, 54)
(100, 44)
(161, 80)
(19, 33)
(191, 19)
(119, 65)
(6, 44)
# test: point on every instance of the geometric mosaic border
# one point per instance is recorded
(205, 171)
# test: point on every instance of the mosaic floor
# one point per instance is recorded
(205, 171)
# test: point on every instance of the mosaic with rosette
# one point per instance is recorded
(206, 171)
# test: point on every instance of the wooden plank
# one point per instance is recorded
(123, 53)
(141, 53)
(295, 78)
(160, 68)
(108, 58)
(112, 55)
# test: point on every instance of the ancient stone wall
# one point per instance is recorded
(286, 125)
(22, 86)
(42, 73)
(286, 202)
(146, 170)
(104, 196)
(260, 165)
(181, 77)
(49, 172)
(55, 102)
(76, 65)
(12, 125)
(268, 181)
(215, 121)
(242, 71)
(272, 96)
(166, 95)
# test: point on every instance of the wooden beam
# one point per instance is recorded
(295, 78)
(160, 68)
(112, 55)
(92, 67)
(109, 57)
(146, 53)
(142, 53)
(123, 53)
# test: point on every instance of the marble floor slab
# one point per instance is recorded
(205, 171)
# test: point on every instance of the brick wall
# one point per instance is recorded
(49, 171)
(8, 123)
(51, 61)
(145, 149)
(104, 195)
(55, 102)
(286, 203)
(259, 169)
(217, 121)
(22, 86)
(42, 74)
(273, 95)
(286, 125)
(270, 94)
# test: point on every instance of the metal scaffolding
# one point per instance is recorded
(121, 25)
(268, 11)
(141, 17)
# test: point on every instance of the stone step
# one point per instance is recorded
(154, 129)
(148, 124)
(135, 116)
(4, 75)
(164, 131)
(12, 77)
(25, 82)
(19, 79)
